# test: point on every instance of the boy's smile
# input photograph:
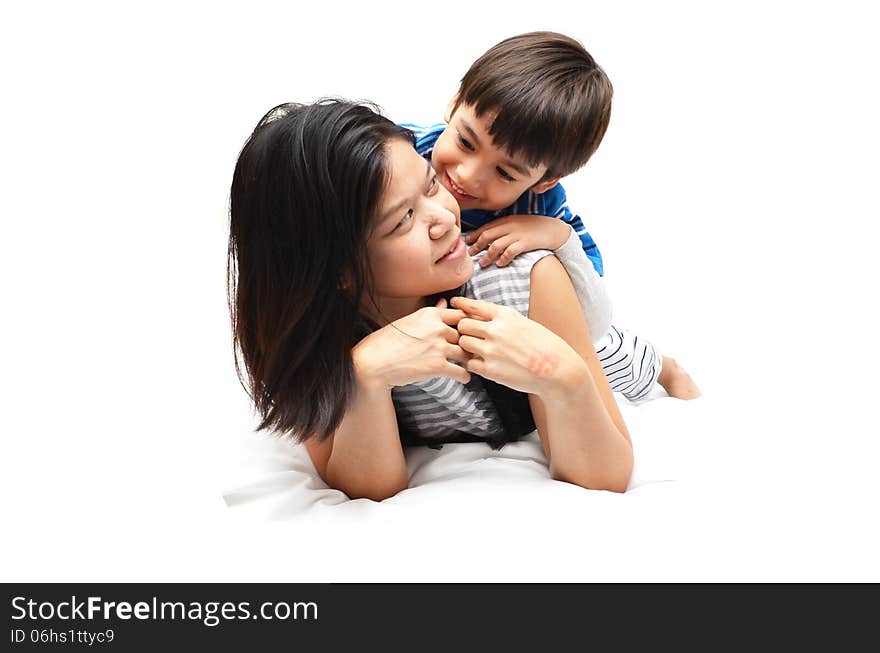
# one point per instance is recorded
(476, 173)
(456, 190)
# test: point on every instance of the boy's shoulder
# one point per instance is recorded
(549, 203)
(419, 129)
(553, 197)
(426, 135)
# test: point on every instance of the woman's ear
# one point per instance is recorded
(544, 186)
(450, 109)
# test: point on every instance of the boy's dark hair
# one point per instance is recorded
(551, 101)
(305, 190)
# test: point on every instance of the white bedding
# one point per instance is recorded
(276, 480)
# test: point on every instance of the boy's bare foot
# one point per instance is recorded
(676, 381)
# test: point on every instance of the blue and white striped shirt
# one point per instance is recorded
(552, 203)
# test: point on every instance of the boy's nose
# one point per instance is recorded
(468, 176)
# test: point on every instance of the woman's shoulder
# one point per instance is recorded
(509, 285)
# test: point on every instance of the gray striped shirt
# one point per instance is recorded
(441, 407)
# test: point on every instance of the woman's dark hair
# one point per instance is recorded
(306, 188)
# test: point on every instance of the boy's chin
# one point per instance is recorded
(477, 205)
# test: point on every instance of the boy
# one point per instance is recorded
(531, 110)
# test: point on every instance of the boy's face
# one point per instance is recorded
(476, 173)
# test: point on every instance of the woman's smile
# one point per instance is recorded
(455, 252)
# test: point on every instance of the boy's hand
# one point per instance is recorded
(508, 237)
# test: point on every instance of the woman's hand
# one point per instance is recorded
(413, 348)
(515, 351)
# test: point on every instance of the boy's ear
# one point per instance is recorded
(447, 117)
(544, 186)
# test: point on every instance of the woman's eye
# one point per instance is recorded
(504, 175)
(432, 185)
(403, 220)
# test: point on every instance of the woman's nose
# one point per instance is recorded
(442, 220)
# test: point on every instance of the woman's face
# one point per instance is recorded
(415, 247)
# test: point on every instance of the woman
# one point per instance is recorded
(341, 243)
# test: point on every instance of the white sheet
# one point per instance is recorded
(276, 479)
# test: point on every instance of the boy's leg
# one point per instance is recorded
(676, 381)
(632, 366)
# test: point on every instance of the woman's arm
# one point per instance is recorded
(550, 356)
(588, 285)
(364, 457)
(581, 428)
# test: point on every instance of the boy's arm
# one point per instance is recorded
(506, 238)
(535, 221)
(588, 245)
(592, 295)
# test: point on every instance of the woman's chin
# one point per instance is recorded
(464, 270)
(467, 269)
(459, 275)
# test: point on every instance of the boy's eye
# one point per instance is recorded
(465, 143)
(504, 174)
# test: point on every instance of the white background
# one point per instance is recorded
(734, 199)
